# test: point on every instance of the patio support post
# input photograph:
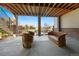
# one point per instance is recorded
(39, 25)
(59, 24)
(16, 24)
(9, 23)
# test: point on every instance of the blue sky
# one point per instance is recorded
(5, 13)
(33, 20)
(29, 20)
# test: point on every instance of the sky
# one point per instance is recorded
(33, 20)
(27, 20)
(5, 13)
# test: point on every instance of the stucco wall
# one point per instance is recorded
(70, 20)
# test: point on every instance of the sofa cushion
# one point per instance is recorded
(53, 37)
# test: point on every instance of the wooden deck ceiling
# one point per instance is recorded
(40, 9)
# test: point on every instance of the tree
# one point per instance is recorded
(32, 27)
(46, 27)
(26, 28)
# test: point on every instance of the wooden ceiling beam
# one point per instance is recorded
(69, 4)
(14, 7)
(25, 9)
(29, 8)
(72, 6)
(51, 9)
(11, 8)
(39, 10)
(75, 7)
(42, 10)
(61, 9)
(47, 9)
(34, 9)
(63, 5)
(63, 12)
(56, 10)
(60, 13)
(21, 9)
(58, 5)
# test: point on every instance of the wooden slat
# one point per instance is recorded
(58, 6)
(56, 10)
(61, 9)
(42, 10)
(38, 10)
(69, 4)
(72, 6)
(63, 5)
(75, 7)
(21, 9)
(51, 13)
(33, 12)
(11, 8)
(25, 9)
(26, 6)
(63, 12)
(14, 7)
(60, 12)
(29, 9)
(51, 9)
(47, 9)
(34, 9)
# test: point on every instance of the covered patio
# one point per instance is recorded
(41, 43)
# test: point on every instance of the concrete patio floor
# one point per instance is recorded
(41, 47)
